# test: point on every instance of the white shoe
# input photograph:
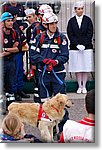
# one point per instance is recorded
(84, 91)
(79, 90)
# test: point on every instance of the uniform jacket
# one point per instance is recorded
(38, 29)
(82, 131)
(82, 35)
(20, 33)
(29, 31)
(8, 41)
(50, 49)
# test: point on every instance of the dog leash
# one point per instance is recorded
(43, 81)
(58, 79)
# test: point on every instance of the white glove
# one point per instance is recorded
(80, 47)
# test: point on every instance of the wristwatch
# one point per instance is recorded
(5, 49)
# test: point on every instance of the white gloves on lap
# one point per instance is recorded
(80, 47)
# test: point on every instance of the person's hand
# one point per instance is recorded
(80, 47)
(45, 61)
(21, 28)
(49, 67)
(15, 44)
(52, 62)
(22, 131)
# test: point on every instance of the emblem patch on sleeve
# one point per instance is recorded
(64, 42)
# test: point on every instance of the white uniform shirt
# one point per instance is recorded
(79, 20)
(82, 131)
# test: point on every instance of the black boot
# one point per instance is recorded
(23, 95)
(17, 97)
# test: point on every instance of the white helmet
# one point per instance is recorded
(29, 11)
(44, 8)
(49, 18)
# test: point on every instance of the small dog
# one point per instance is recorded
(46, 116)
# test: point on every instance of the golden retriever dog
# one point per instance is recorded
(45, 115)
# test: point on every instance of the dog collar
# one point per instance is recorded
(55, 108)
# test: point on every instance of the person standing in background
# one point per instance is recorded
(32, 19)
(19, 84)
(11, 45)
(80, 33)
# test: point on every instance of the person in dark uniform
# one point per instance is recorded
(32, 19)
(39, 28)
(50, 57)
(11, 45)
(15, 7)
(19, 84)
(80, 33)
(50, 53)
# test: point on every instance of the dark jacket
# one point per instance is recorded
(29, 31)
(38, 29)
(50, 49)
(82, 35)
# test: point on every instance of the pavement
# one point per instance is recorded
(75, 96)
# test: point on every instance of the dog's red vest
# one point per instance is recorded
(42, 114)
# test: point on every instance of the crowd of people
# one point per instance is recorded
(47, 50)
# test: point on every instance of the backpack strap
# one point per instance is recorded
(5, 7)
(13, 34)
(42, 37)
(37, 28)
(59, 40)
